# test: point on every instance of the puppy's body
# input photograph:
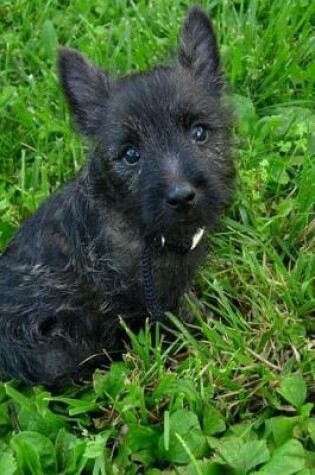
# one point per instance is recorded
(159, 169)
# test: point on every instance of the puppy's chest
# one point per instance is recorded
(171, 276)
(124, 274)
(174, 272)
(167, 267)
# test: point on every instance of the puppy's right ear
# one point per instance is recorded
(86, 89)
(198, 49)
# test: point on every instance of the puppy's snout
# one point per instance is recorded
(181, 196)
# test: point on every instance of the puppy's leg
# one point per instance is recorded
(44, 324)
(49, 362)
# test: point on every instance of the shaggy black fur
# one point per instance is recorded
(159, 165)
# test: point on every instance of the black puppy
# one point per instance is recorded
(125, 236)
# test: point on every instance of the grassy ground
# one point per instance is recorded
(237, 399)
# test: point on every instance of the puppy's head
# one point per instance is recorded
(161, 138)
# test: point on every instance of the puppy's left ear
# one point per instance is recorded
(86, 88)
(198, 49)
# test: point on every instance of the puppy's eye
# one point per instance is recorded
(199, 134)
(131, 155)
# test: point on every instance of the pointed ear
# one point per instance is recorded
(86, 89)
(198, 49)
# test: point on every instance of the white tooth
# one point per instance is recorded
(196, 238)
(163, 241)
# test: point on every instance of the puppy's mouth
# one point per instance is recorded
(189, 242)
(182, 230)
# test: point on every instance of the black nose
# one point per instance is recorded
(180, 196)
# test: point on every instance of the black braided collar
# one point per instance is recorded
(152, 247)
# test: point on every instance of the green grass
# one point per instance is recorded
(235, 393)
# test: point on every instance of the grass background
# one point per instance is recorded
(239, 398)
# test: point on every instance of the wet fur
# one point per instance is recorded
(75, 266)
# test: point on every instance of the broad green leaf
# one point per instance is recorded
(310, 459)
(281, 428)
(8, 464)
(141, 437)
(245, 109)
(244, 430)
(184, 424)
(6, 95)
(293, 389)
(214, 442)
(96, 447)
(182, 421)
(185, 387)
(286, 460)
(69, 452)
(33, 413)
(243, 456)
(213, 422)
(49, 39)
(306, 410)
(48, 425)
(35, 451)
(285, 206)
(311, 430)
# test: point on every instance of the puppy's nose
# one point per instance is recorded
(181, 196)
